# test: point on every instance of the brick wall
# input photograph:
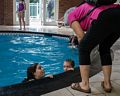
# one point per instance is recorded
(1, 13)
(8, 12)
(66, 4)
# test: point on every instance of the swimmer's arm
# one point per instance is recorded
(50, 76)
(72, 69)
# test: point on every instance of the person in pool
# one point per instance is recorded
(68, 65)
(35, 72)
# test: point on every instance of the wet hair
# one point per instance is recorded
(30, 72)
(71, 62)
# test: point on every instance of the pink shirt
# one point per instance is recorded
(83, 9)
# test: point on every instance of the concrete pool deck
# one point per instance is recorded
(95, 81)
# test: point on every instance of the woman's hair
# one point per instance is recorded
(31, 70)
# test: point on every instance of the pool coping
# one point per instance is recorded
(31, 32)
(45, 85)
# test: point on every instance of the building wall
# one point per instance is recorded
(1, 13)
(6, 9)
(6, 12)
(66, 4)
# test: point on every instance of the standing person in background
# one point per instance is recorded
(102, 26)
(21, 13)
(50, 8)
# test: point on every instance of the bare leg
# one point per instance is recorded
(107, 75)
(19, 16)
(83, 86)
(23, 20)
(84, 71)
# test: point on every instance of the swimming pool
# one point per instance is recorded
(18, 51)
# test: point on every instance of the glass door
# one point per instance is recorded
(35, 7)
(15, 15)
(50, 12)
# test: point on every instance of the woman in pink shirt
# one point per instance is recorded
(102, 27)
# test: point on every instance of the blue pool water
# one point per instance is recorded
(17, 52)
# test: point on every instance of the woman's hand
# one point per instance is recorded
(79, 39)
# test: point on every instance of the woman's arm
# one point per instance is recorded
(74, 18)
(77, 29)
